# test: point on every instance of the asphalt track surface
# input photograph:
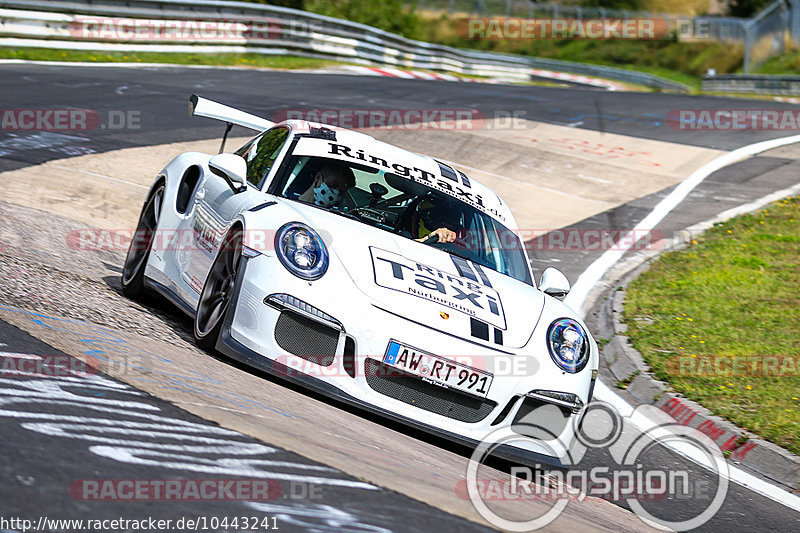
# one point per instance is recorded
(39, 463)
(158, 97)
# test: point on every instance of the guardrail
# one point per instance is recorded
(265, 29)
(752, 83)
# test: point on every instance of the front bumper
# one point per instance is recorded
(248, 335)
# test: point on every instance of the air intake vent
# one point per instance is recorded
(540, 420)
(306, 338)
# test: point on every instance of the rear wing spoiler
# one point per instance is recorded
(203, 107)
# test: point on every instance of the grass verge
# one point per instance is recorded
(787, 63)
(239, 60)
(719, 321)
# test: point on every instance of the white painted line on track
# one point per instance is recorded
(735, 474)
(749, 207)
(594, 273)
(12, 355)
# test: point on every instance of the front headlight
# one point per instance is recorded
(301, 251)
(568, 345)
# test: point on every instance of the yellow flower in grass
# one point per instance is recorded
(749, 387)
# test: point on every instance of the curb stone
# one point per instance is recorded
(626, 364)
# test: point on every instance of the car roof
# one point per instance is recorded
(357, 147)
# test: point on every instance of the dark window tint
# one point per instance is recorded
(261, 152)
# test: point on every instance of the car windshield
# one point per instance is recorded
(399, 205)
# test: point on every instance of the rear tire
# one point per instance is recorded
(218, 290)
(142, 242)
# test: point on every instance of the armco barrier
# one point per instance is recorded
(752, 83)
(46, 23)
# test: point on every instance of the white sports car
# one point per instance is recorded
(379, 276)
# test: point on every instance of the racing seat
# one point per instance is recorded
(408, 224)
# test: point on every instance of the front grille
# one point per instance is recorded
(306, 338)
(413, 391)
(540, 420)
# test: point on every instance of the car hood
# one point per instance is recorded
(427, 285)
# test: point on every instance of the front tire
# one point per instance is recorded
(139, 250)
(218, 291)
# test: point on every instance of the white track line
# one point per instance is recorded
(601, 265)
(595, 272)
(12, 355)
(735, 474)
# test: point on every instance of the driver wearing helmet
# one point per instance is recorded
(436, 217)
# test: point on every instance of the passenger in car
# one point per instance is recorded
(328, 182)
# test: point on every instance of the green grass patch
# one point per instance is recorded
(239, 60)
(787, 63)
(731, 292)
(684, 62)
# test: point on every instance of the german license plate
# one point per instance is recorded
(438, 370)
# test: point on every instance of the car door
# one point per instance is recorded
(216, 205)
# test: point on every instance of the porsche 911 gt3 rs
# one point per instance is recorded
(375, 275)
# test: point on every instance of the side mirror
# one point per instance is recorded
(230, 167)
(554, 283)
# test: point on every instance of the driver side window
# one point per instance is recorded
(261, 153)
